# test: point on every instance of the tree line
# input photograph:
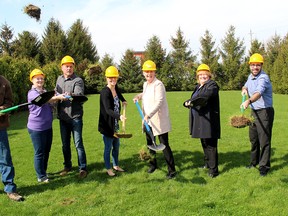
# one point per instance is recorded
(228, 61)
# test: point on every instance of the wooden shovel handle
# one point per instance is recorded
(124, 115)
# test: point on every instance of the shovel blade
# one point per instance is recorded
(119, 135)
(159, 147)
(43, 98)
(80, 98)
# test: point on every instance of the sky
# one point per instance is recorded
(118, 25)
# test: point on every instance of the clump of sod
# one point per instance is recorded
(33, 11)
(240, 121)
(144, 154)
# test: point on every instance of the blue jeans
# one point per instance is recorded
(6, 165)
(110, 142)
(42, 141)
(74, 127)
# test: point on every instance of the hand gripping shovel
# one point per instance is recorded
(154, 147)
(39, 101)
(240, 121)
(123, 134)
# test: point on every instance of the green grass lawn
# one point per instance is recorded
(236, 191)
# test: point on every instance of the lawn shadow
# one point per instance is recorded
(96, 173)
(186, 160)
(280, 165)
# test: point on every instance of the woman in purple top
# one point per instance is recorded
(40, 125)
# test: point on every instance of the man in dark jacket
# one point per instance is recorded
(204, 119)
(6, 165)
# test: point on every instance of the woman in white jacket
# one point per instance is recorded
(156, 114)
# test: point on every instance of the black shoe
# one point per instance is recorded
(213, 175)
(171, 175)
(251, 166)
(263, 171)
(151, 169)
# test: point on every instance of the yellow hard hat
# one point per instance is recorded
(203, 67)
(256, 58)
(67, 59)
(149, 66)
(111, 72)
(35, 72)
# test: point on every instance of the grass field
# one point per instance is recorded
(236, 191)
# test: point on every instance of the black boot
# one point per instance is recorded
(153, 165)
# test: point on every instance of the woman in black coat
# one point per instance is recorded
(204, 117)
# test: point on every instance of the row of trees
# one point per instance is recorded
(228, 61)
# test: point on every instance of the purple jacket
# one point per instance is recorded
(40, 118)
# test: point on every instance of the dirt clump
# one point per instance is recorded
(240, 121)
(33, 11)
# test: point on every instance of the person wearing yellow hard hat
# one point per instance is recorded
(156, 114)
(70, 115)
(40, 124)
(204, 117)
(258, 88)
(110, 107)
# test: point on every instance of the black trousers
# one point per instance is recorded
(168, 155)
(209, 146)
(260, 134)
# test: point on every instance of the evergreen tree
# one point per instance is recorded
(130, 72)
(166, 72)
(273, 47)
(183, 62)
(210, 56)
(279, 71)
(232, 54)
(94, 76)
(155, 52)
(54, 42)
(107, 61)
(80, 44)
(257, 47)
(28, 46)
(6, 43)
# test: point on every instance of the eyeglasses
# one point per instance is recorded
(38, 78)
(255, 65)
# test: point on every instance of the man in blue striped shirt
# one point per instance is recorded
(259, 90)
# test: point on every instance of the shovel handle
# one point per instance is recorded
(14, 108)
(124, 114)
(142, 116)
(243, 100)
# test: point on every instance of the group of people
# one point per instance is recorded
(204, 120)
(69, 113)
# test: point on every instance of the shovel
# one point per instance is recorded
(39, 101)
(123, 134)
(76, 98)
(240, 121)
(153, 147)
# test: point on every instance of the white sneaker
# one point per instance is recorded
(44, 180)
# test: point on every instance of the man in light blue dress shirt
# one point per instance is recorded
(259, 90)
